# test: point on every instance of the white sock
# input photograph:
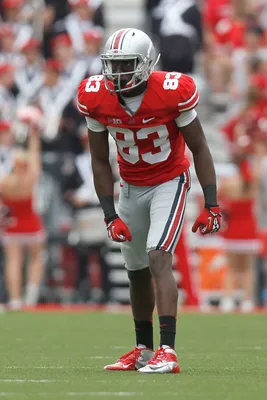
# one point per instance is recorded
(247, 306)
(15, 304)
(227, 304)
(31, 294)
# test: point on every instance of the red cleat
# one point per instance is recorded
(165, 361)
(133, 360)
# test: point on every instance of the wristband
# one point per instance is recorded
(210, 196)
(112, 218)
(107, 204)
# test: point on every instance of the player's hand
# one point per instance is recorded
(118, 231)
(209, 221)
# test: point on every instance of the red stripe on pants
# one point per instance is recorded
(177, 218)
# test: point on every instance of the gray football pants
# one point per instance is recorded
(154, 215)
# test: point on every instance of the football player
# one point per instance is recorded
(151, 116)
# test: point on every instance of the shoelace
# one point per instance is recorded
(158, 357)
(131, 356)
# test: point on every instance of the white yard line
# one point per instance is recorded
(251, 348)
(100, 357)
(57, 366)
(39, 367)
(31, 380)
(80, 394)
(102, 394)
(109, 381)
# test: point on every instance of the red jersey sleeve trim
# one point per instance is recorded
(82, 109)
(81, 99)
(192, 104)
(183, 103)
(82, 106)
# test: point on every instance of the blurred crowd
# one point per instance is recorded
(235, 50)
(235, 65)
(46, 48)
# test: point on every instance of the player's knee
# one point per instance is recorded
(140, 277)
(160, 263)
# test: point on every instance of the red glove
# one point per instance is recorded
(118, 231)
(209, 221)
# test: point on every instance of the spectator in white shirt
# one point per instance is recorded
(53, 98)
(93, 41)
(7, 99)
(6, 142)
(79, 20)
(13, 14)
(73, 69)
(7, 41)
(29, 77)
(254, 49)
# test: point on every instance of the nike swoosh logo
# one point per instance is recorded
(147, 120)
(127, 366)
(115, 235)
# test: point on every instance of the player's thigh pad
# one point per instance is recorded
(133, 209)
(167, 213)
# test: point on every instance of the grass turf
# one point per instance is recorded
(60, 356)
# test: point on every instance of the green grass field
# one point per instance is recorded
(61, 356)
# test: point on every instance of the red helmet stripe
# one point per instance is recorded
(118, 39)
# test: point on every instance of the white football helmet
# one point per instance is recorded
(132, 46)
